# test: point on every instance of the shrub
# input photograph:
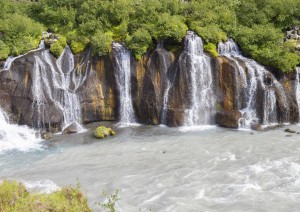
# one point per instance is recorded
(211, 49)
(58, 47)
(14, 197)
(101, 43)
(139, 42)
(4, 50)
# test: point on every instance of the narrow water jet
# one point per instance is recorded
(123, 77)
(297, 92)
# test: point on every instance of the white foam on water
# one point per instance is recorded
(127, 124)
(197, 128)
(15, 137)
(41, 186)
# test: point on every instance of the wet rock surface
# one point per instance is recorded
(228, 119)
(160, 89)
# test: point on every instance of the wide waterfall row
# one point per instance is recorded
(184, 90)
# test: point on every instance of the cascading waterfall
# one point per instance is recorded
(251, 80)
(167, 87)
(14, 137)
(201, 109)
(58, 83)
(298, 88)
(123, 77)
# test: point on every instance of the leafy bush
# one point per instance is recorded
(15, 197)
(258, 26)
(111, 200)
(4, 50)
(58, 47)
(101, 42)
(139, 42)
(211, 49)
(20, 34)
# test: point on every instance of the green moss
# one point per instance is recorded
(211, 49)
(58, 46)
(102, 132)
(14, 197)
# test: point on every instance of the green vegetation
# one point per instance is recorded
(258, 26)
(15, 197)
(211, 49)
(58, 46)
(109, 205)
(102, 132)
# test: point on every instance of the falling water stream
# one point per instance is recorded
(56, 82)
(201, 82)
(251, 80)
(298, 88)
(123, 78)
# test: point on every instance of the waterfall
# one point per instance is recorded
(167, 86)
(298, 88)
(11, 59)
(252, 80)
(57, 83)
(123, 78)
(14, 137)
(202, 99)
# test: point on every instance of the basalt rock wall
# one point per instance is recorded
(160, 89)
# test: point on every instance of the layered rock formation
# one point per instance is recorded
(175, 90)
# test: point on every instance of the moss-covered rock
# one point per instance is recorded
(15, 197)
(102, 132)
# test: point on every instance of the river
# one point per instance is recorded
(169, 169)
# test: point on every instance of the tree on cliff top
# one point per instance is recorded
(258, 26)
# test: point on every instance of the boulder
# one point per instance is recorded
(289, 131)
(102, 132)
(72, 128)
(256, 126)
(229, 119)
(47, 135)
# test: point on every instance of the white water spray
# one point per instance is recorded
(201, 83)
(15, 137)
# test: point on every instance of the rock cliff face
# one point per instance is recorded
(47, 93)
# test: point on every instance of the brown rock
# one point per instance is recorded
(228, 119)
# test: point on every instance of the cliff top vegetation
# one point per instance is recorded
(258, 26)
